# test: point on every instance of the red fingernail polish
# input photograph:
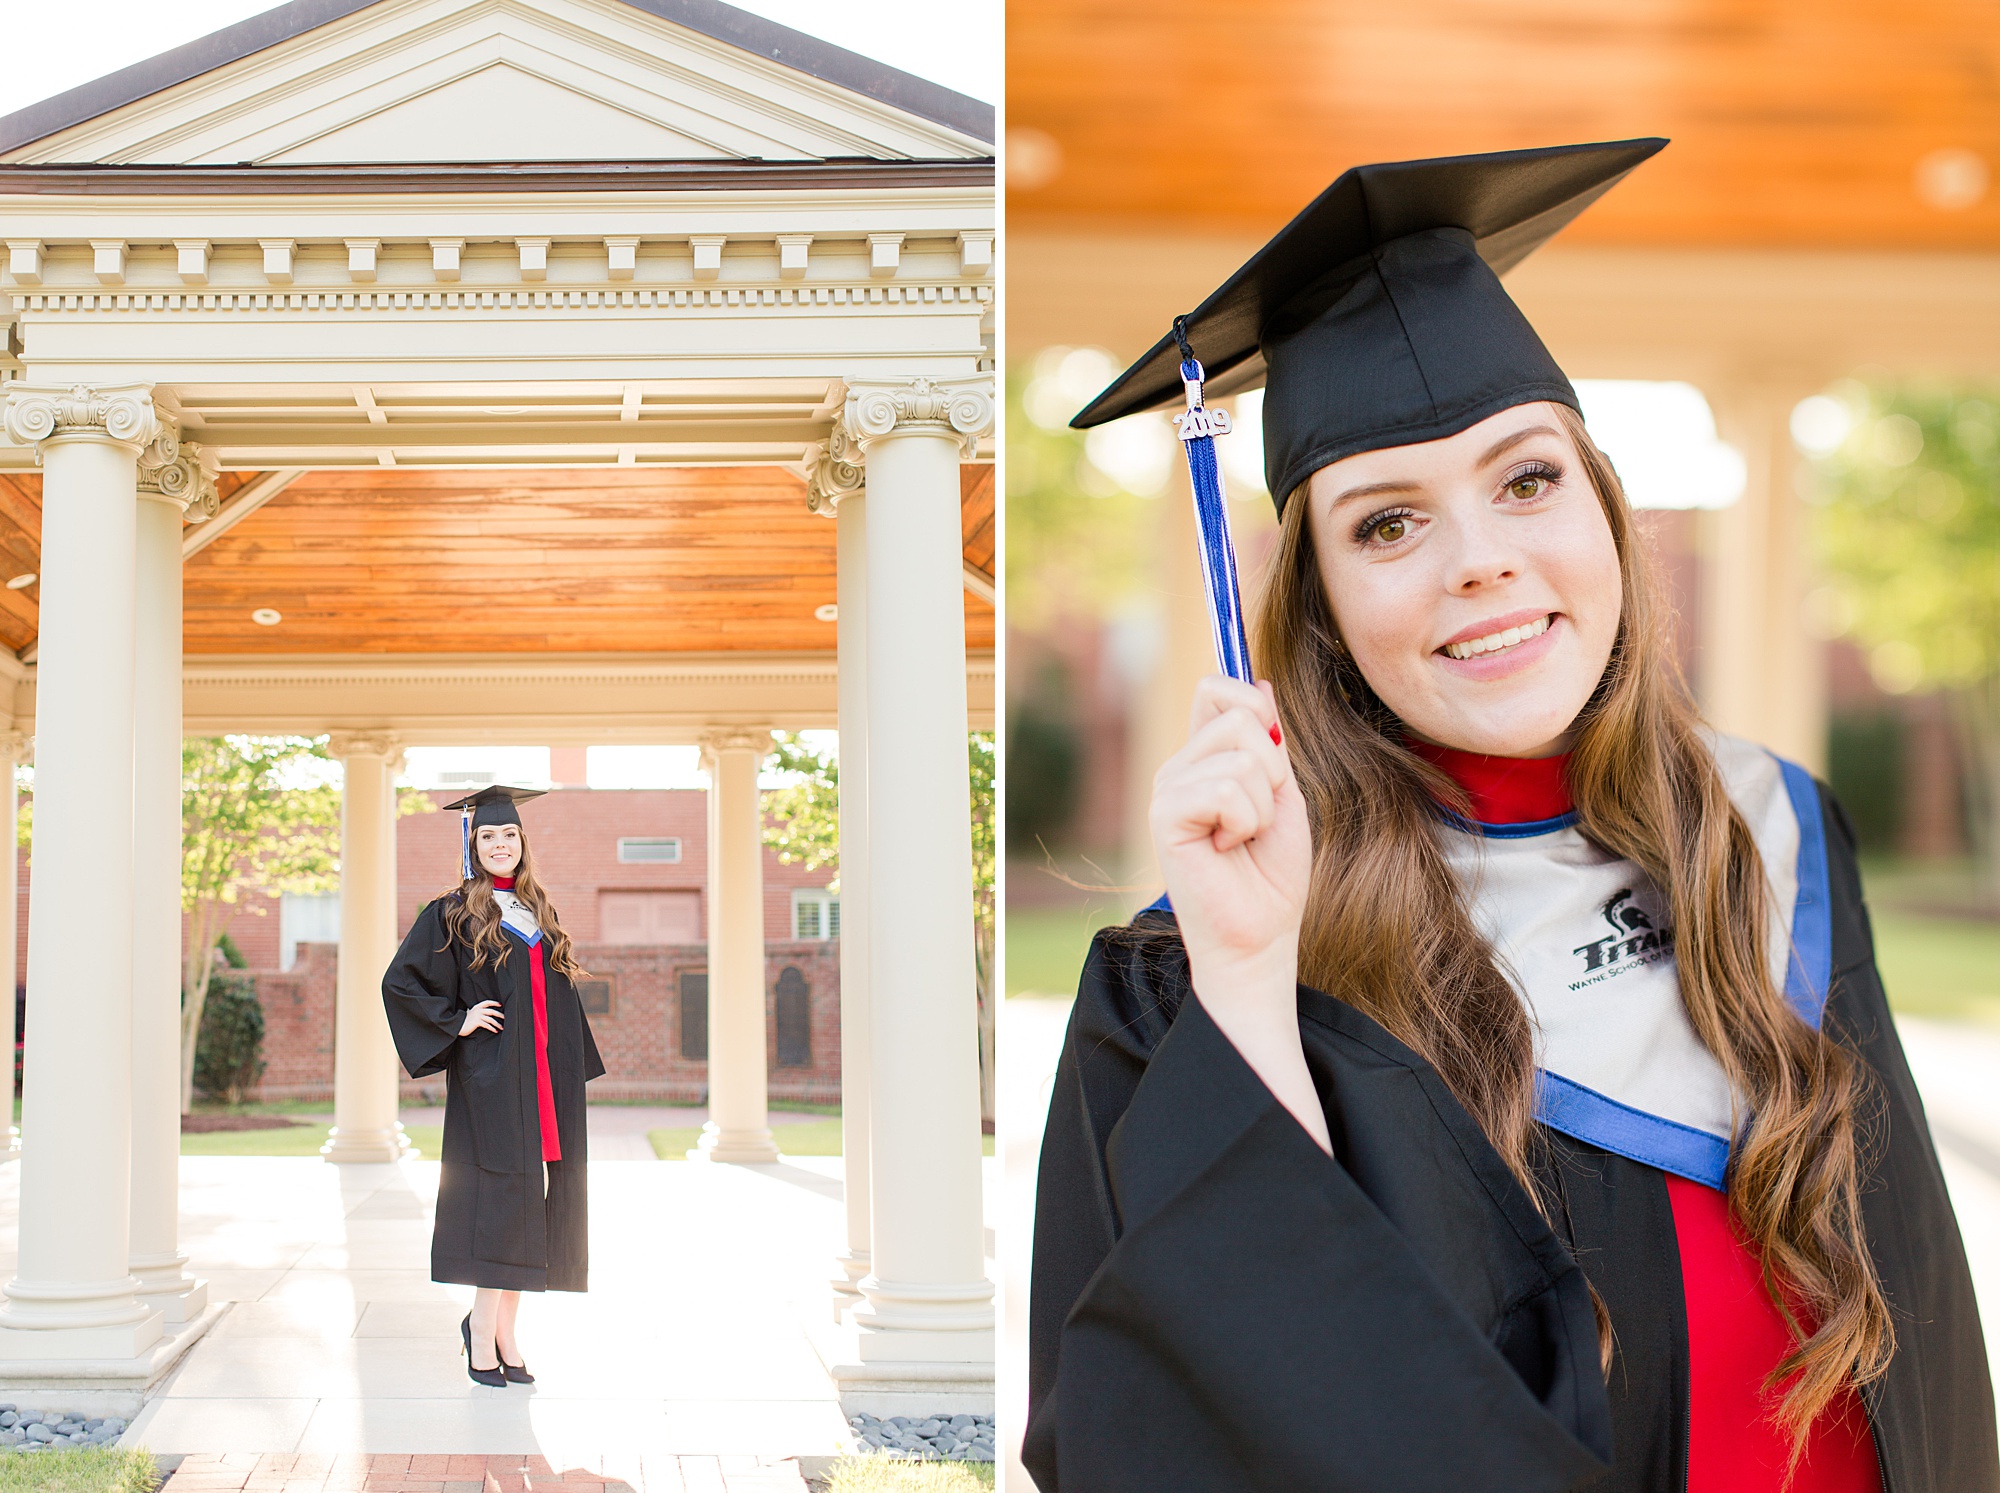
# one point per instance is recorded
(1277, 737)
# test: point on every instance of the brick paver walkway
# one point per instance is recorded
(305, 1472)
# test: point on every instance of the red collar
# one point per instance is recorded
(1504, 790)
(505, 883)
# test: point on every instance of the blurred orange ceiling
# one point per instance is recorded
(1806, 123)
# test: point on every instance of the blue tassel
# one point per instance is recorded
(1199, 426)
(465, 847)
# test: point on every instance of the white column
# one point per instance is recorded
(365, 1068)
(73, 1294)
(172, 480)
(926, 1325)
(14, 748)
(738, 1127)
(1762, 671)
(834, 488)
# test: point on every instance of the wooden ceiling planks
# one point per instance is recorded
(1796, 123)
(20, 554)
(976, 515)
(562, 561)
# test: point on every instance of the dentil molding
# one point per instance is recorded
(958, 407)
(179, 472)
(833, 471)
(122, 413)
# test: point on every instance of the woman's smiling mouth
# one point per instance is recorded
(1495, 641)
(1501, 646)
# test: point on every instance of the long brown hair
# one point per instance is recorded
(1387, 930)
(474, 908)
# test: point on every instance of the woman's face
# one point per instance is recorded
(499, 847)
(1474, 580)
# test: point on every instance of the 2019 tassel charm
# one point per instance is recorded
(1198, 426)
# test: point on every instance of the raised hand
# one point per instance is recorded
(1229, 826)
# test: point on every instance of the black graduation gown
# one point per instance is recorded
(1218, 1305)
(497, 1226)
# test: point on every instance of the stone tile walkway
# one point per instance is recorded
(294, 1472)
(706, 1331)
(699, 1355)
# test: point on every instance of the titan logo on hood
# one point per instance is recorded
(1635, 939)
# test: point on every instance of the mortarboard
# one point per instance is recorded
(493, 805)
(1376, 316)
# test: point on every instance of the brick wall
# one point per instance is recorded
(574, 834)
(639, 1036)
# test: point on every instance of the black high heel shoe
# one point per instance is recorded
(517, 1373)
(493, 1378)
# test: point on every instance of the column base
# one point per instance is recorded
(847, 1295)
(926, 1321)
(10, 1147)
(108, 1385)
(375, 1144)
(915, 1388)
(747, 1146)
(166, 1285)
(46, 1346)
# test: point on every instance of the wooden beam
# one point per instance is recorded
(249, 498)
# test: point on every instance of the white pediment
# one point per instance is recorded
(500, 80)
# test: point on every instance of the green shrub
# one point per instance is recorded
(229, 1052)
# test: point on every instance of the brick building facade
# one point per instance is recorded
(639, 927)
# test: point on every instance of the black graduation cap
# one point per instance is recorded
(1376, 318)
(494, 805)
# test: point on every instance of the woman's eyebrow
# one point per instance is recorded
(1373, 490)
(1507, 443)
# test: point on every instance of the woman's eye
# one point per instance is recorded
(1389, 530)
(1528, 486)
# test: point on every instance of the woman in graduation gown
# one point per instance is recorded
(481, 991)
(1504, 1096)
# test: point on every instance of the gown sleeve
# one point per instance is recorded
(420, 992)
(1218, 1305)
(1940, 1384)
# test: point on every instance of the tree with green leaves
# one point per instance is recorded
(1909, 533)
(257, 814)
(802, 823)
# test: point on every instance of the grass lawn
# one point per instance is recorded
(1942, 967)
(293, 1140)
(79, 1469)
(893, 1475)
(809, 1138)
(1046, 945)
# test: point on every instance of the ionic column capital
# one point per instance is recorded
(961, 408)
(180, 473)
(735, 739)
(16, 746)
(121, 414)
(834, 471)
(384, 744)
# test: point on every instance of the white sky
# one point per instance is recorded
(48, 52)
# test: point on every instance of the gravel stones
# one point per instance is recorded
(964, 1438)
(38, 1430)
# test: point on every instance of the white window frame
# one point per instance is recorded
(649, 860)
(828, 905)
